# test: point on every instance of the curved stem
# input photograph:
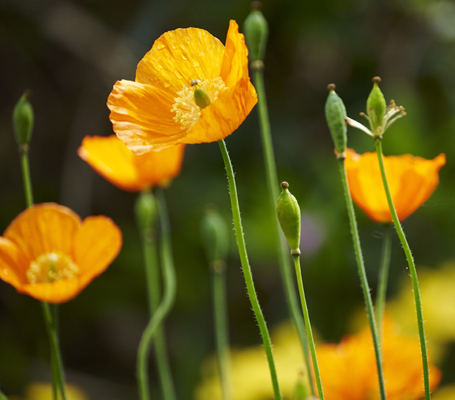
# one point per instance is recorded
(363, 277)
(247, 271)
(383, 277)
(272, 187)
(309, 331)
(221, 327)
(50, 317)
(166, 304)
(412, 270)
(153, 291)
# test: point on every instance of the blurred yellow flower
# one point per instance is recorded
(348, 369)
(43, 391)
(412, 181)
(444, 393)
(158, 110)
(110, 158)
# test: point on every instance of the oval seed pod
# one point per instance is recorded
(256, 32)
(215, 236)
(335, 113)
(146, 210)
(288, 212)
(23, 120)
(376, 105)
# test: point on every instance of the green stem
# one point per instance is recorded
(272, 186)
(247, 270)
(309, 331)
(221, 327)
(363, 276)
(153, 292)
(166, 303)
(57, 365)
(383, 277)
(50, 316)
(412, 270)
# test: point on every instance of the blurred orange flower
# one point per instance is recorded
(48, 253)
(348, 370)
(158, 109)
(111, 159)
(412, 181)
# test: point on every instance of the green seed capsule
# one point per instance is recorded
(23, 120)
(376, 105)
(146, 210)
(288, 212)
(201, 97)
(335, 113)
(215, 236)
(256, 32)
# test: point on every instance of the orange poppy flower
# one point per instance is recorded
(159, 110)
(412, 181)
(110, 158)
(348, 370)
(48, 253)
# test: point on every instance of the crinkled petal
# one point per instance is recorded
(224, 115)
(44, 228)
(141, 116)
(96, 245)
(111, 158)
(13, 263)
(179, 56)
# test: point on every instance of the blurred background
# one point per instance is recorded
(70, 53)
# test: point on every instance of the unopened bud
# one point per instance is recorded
(301, 391)
(146, 211)
(376, 105)
(288, 212)
(335, 113)
(256, 32)
(23, 120)
(215, 236)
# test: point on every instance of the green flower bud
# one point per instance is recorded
(256, 32)
(215, 236)
(335, 114)
(288, 212)
(301, 391)
(376, 105)
(146, 211)
(23, 120)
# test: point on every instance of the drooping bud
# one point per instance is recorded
(146, 211)
(288, 212)
(256, 32)
(23, 120)
(215, 236)
(201, 97)
(335, 114)
(376, 105)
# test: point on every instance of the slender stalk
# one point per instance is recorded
(363, 276)
(383, 277)
(412, 270)
(247, 270)
(50, 316)
(55, 352)
(166, 303)
(309, 331)
(272, 187)
(153, 292)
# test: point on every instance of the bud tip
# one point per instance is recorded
(284, 185)
(376, 79)
(331, 86)
(256, 5)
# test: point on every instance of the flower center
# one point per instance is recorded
(187, 112)
(51, 267)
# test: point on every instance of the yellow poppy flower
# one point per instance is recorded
(158, 110)
(43, 391)
(348, 370)
(120, 166)
(412, 181)
(48, 253)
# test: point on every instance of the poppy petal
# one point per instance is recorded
(179, 56)
(44, 228)
(13, 263)
(54, 292)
